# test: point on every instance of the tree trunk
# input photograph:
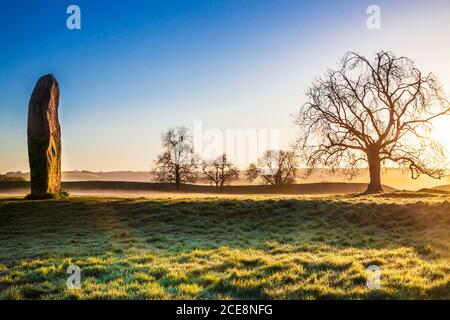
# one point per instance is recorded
(373, 157)
(177, 177)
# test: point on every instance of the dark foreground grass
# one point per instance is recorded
(261, 247)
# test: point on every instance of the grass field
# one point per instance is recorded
(206, 247)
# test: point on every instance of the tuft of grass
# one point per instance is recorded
(63, 194)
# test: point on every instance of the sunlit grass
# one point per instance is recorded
(261, 247)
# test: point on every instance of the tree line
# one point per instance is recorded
(179, 164)
(367, 114)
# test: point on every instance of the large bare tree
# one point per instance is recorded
(220, 171)
(372, 113)
(177, 163)
(275, 168)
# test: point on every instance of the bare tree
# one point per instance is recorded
(177, 163)
(274, 168)
(220, 171)
(370, 113)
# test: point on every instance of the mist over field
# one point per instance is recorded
(395, 178)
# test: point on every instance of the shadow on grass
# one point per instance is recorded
(178, 225)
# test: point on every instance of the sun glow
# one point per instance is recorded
(441, 133)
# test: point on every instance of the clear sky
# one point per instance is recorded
(137, 68)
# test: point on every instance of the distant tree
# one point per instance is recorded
(220, 171)
(177, 163)
(11, 178)
(369, 113)
(275, 168)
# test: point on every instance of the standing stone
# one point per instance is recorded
(44, 138)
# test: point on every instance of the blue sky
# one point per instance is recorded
(137, 68)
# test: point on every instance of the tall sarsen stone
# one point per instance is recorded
(44, 138)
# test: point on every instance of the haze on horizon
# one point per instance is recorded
(137, 68)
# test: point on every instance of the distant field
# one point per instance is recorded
(257, 247)
(398, 179)
(126, 188)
